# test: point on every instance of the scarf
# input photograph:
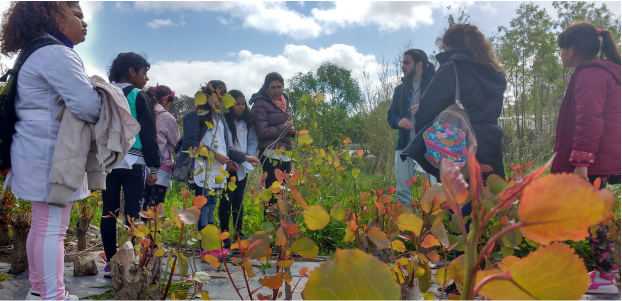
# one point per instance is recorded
(280, 102)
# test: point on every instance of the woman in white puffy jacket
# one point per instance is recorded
(51, 72)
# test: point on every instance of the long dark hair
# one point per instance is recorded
(121, 65)
(469, 38)
(157, 94)
(419, 56)
(26, 20)
(208, 106)
(584, 37)
(247, 116)
(272, 76)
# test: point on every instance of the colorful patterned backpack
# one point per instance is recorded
(451, 134)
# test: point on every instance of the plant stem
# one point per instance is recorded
(170, 278)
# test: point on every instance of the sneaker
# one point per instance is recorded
(601, 283)
(220, 254)
(226, 243)
(615, 271)
(107, 271)
(33, 295)
(70, 297)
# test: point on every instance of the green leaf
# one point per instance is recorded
(409, 222)
(228, 100)
(183, 264)
(316, 217)
(496, 184)
(202, 112)
(337, 212)
(219, 179)
(267, 227)
(305, 247)
(200, 98)
(201, 277)
(305, 139)
(266, 194)
(353, 274)
(356, 172)
(209, 238)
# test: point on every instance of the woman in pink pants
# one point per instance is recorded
(49, 73)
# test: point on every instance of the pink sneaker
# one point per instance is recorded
(601, 283)
(220, 254)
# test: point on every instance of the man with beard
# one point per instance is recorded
(418, 73)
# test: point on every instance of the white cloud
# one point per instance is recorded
(276, 17)
(159, 23)
(248, 71)
(91, 70)
(90, 8)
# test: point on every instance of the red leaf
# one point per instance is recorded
(387, 199)
(280, 176)
(295, 176)
(529, 165)
(185, 193)
(504, 220)
(486, 168)
(348, 216)
(512, 192)
(415, 179)
(380, 207)
(264, 177)
(409, 183)
(199, 201)
(453, 182)
(597, 183)
(475, 175)
(391, 189)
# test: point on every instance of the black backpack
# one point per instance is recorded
(8, 117)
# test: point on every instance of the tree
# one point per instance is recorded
(337, 112)
(463, 17)
(183, 105)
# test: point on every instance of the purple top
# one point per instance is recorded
(63, 38)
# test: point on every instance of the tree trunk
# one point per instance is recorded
(132, 282)
(84, 266)
(82, 226)
(5, 239)
(21, 227)
(411, 293)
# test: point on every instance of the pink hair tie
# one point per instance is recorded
(599, 32)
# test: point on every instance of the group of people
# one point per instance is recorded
(145, 170)
(588, 133)
(588, 129)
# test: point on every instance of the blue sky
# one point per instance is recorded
(189, 43)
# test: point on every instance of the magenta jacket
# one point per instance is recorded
(588, 128)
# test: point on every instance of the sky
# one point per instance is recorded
(190, 43)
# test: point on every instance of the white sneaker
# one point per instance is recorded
(33, 295)
(70, 297)
(601, 283)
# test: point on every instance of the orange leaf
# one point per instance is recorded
(353, 225)
(378, 237)
(303, 132)
(486, 168)
(224, 235)
(211, 260)
(475, 175)
(274, 282)
(294, 230)
(391, 190)
(553, 272)
(507, 263)
(347, 141)
(434, 256)
(360, 152)
(387, 199)
(303, 271)
(280, 239)
(453, 182)
(295, 176)
(199, 201)
(285, 263)
(597, 183)
(504, 220)
(562, 207)
(298, 198)
(280, 176)
(430, 241)
(512, 192)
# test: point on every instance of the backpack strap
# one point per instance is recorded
(458, 102)
(25, 53)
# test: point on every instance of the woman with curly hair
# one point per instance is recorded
(49, 73)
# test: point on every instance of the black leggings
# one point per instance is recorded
(153, 196)
(132, 181)
(236, 200)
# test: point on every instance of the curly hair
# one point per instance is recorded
(26, 20)
(469, 38)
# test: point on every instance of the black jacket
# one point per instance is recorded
(400, 108)
(148, 133)
(193, 127)
(481, 92)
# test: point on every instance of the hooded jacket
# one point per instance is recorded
(481, 92)
(270, 121)
(588, 127)
(400, 108)
(168, 135)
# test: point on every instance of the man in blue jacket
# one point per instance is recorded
(418, 73)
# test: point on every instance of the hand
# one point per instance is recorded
(220, 157)
(581, 171)
(153, 178)
(232, 166)
(292, 130)
(252, 160)
(413, 109)
(405, 124)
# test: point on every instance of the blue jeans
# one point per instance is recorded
(404, 171)
(207, 211)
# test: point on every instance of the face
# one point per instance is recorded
(566, 56)
(408, 65)
(76, 27)
(275, 89)
(239, 106)
(139, 79)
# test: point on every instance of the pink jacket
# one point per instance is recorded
(168, 135)
(588, 128)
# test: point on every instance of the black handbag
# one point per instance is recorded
(183, 163)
